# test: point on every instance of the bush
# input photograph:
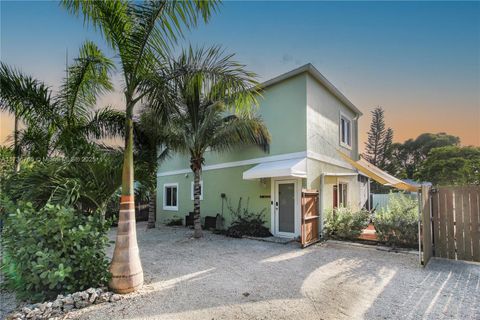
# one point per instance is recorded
(342, 223)
(175, 222)
(52, 250)
(247, 223)
(397, 225)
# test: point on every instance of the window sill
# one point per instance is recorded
(346, 146)
(170, 208)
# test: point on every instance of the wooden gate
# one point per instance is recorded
(451, 223)
(310, 216)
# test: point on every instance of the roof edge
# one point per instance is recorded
(310, 69)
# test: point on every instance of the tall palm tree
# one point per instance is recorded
(141, 33)
(212, 100)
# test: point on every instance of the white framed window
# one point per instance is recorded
(170, 196)
(201, 190)
(345, 131)
(343, 194)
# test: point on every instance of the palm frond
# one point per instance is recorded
(88, 77)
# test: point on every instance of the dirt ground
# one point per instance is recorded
(224, 278)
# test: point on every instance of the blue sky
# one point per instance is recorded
(419, 60)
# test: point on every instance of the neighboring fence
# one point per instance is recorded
(380, 201)
(451, 223)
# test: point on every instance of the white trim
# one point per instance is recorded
(329, 160)
(165, 207)
(317, 76)
(340, 174)
(274, 212)
(201, 190)
(285, 156)
(340, 131)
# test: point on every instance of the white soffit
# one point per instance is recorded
(283, 168)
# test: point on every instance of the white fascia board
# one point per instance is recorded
(286, 156)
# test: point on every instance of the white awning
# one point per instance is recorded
(282, 168)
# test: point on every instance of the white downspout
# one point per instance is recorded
(320, 212)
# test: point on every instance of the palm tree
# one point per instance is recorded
(212, 99)
(141, 33)
(63, 124)
(150, 137)
(26, 98)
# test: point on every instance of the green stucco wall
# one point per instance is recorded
(282, 108)
(216, 182)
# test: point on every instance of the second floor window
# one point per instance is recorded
(345, 131)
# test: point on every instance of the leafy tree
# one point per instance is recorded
(211, 103)
(452, 165)
(141, 33)
(410, 155)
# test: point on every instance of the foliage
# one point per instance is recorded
(175, 222)
(397, 224)
(247, 223)
(451, 165)
(378, 148)
(52, 250)
(87, 184)
(65, 123)
(409, 156)
(343, 223)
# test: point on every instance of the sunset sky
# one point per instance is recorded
(420, 61)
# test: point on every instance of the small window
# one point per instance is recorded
(342, 194)
(345, 131)
(201, 190)
(170, 196)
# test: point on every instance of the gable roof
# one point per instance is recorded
(310, 69)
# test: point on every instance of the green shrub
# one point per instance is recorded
(342, 223)
(247, 223)
(175, 222)
(52, 250)
(397, 224)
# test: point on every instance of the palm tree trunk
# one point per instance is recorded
(126, 267)
(16, 147)
(197, 233)
(151, 209)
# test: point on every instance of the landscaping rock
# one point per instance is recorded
(62, 304)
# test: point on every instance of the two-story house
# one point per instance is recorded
(309, 121)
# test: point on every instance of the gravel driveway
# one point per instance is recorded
(224, 278)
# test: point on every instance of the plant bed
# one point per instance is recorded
(247, 223)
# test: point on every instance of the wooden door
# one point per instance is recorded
(310, 216)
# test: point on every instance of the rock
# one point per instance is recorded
(68, 300)
(60, 296)
(90, 290)
(81, 304)
(246, 294)
(104, 297)
(57, 303)
(93, 297)
(115, 297)
(26, 310)
(15, 316)
(34, 314)
(68, 307)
